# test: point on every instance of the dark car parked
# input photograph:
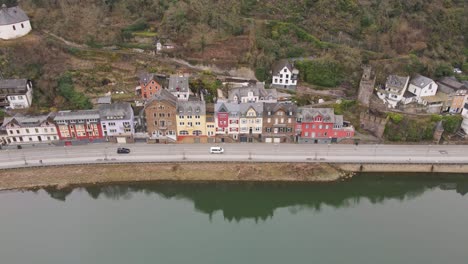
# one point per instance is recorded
(123, 150)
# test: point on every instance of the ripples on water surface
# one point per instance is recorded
(370, 219)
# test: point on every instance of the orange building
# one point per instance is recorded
(150, 84)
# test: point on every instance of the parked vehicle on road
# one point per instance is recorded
(216, 150)
(123, 151)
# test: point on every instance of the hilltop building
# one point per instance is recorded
(15, 93)
(14, 22)
(284, 75)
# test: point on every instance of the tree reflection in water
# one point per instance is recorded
(258, 201)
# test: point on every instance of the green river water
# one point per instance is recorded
(369, 219)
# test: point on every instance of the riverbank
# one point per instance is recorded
(76, 175)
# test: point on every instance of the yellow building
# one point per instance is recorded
(191, 121)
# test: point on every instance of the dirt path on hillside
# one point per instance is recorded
(68, 176)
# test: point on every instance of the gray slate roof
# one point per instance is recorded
(258, 89)
(327, 114)
(178, 84)
(116, 111)
(396, 82)
(191, 108)
(163, 95)
(231, 108)
(274, 107)
(278, 66)
(450, 85)
(420, 81)
(243, 108)
(12, 15)
(77, 115)
(13, 83)
(27, 120)
(145, 78)
(104, 100)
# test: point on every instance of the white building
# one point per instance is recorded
(252, 93)
(284, 75)
(14, 23)
(464, 114)
(250, 121)
(15, 93)
(422, 86)
(179, 87)
(395, 88)
(30, 129)
(117, 122)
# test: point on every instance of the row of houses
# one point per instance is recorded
(111, 122)
(248, 113)
(446, 95)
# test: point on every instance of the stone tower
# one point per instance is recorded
(366, 86)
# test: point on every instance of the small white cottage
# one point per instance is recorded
(14, 22)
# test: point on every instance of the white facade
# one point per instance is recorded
(15, 30)
(14, 23)
(284, 77)
(464, 114)
(21, 101)
(117, 127)
(422, 86)
(395, 88)
(117, 119)
(252, 122)
(30, 130)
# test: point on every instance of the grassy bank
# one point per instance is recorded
(66, 176)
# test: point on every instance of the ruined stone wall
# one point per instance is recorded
(373, 123)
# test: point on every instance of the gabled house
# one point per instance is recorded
(395, 88)
(14, 22)
(15, 93)
(250, 122)
(191, 121)
(179, 87)
(284, 75)
(79, 125)
(27, 129)
(117, 122)
(279, 122)
(423, 90)
(227, 120)
(457, 94)
(160, 112)
(149, 84)
(321, 125)
(252, 93)
(422, 86)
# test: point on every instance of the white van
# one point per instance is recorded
(216, 150)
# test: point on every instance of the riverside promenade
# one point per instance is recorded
(348, 157)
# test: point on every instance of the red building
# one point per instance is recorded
(79, 125)
(321, 125)
(150, 84)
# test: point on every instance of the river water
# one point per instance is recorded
(369, 219)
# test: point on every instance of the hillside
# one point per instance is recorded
(429, 37)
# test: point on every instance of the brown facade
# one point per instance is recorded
(161, 114)
(279, 122)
